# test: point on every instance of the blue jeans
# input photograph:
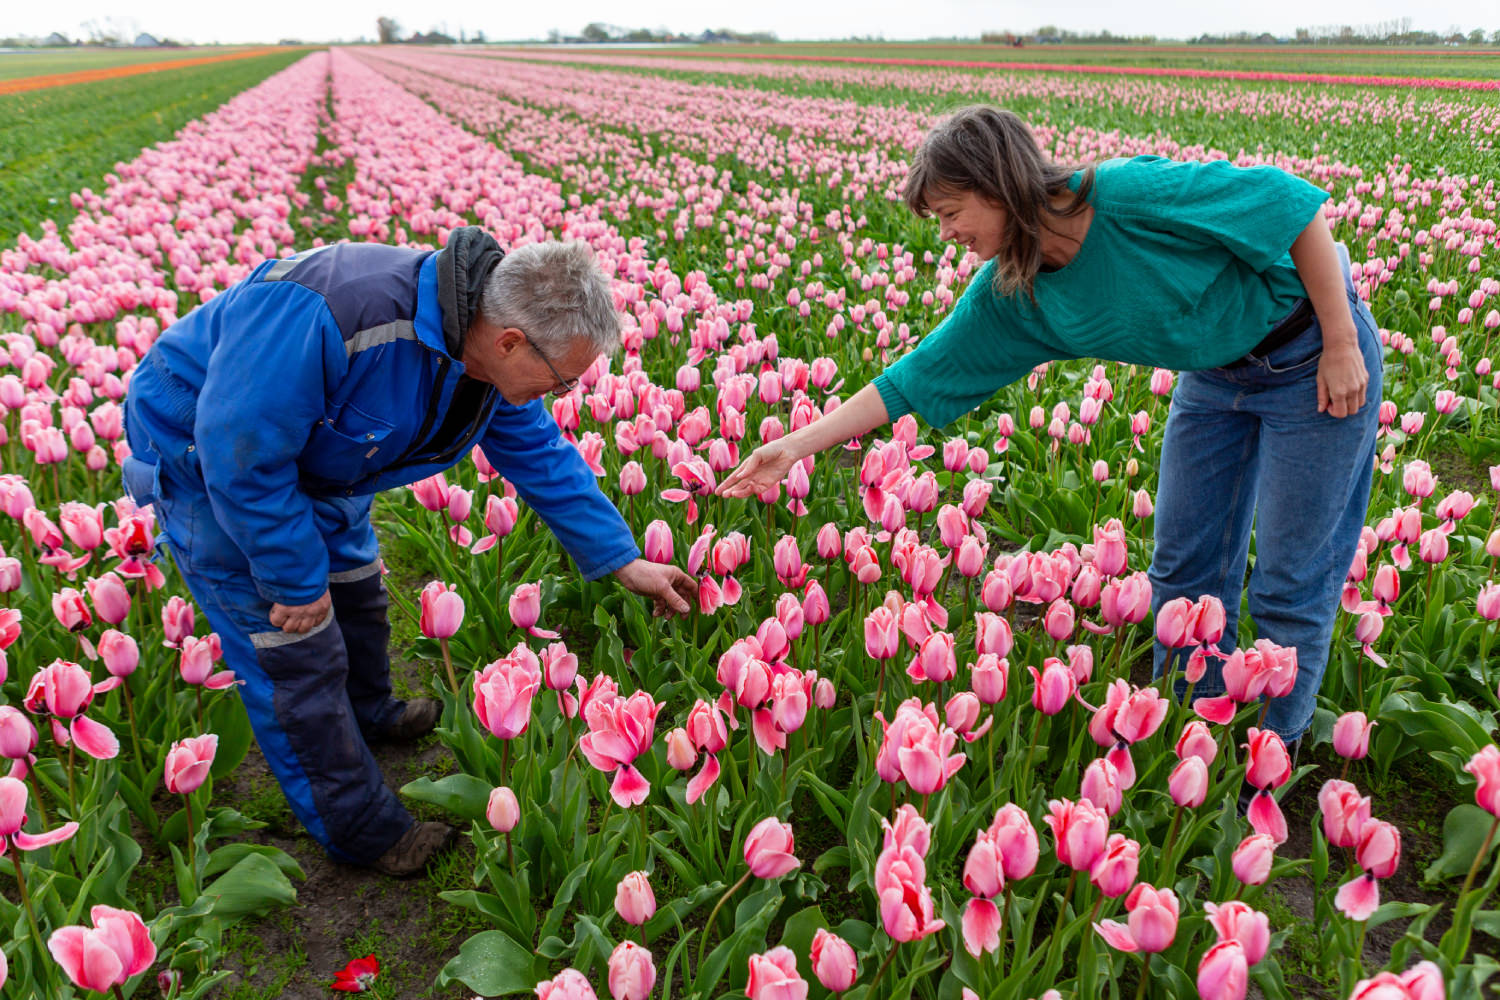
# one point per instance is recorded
(1246, 444)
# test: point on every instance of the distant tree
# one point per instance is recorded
(595, 31)
(389, 29)
(1476, 37)
(1495, 37)
(479, 37)
(554, 36)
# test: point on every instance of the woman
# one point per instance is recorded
(1224, 273)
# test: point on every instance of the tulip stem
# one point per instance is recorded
(1140, 990)
(36, 933)
(1483, 851)
(1036, 733)
(708, 925)
(1166, 851)
(448, 665)
(1004, 926)
(119, 995)
(510, 854)
(72, 798)
(187, 804)
(883, 966)
(198, 690)
(36, 796)
(1062, 915)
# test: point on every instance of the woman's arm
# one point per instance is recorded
(1342, 379)
(769, 464)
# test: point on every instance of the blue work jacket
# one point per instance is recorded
(329, 375)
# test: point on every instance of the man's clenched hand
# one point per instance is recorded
(672, 591)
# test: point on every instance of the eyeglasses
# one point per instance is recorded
(564, 385)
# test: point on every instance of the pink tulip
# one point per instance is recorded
(989, 677)
(906, 908)
(632, 973)
(569, 984)
(1269, 763)
(119, 652)
(634, 900)
(1188, 782)
(935, 659)
(992, 634)
(18, 736)
(815, 608)
(559, 667)
(525, 608)
(106, 955)
(503, 810)
(1236, 921)
(1252, 859)
(657, 546)
(1223, 973)
(1053, 687)
(681, 756)
(13, 817)
(196, 662)
(768, 849)
(1017, 841)
(1485, 767)
(1351, 735)
(176, 620)
(1151, 926)
(833, 961)
(1487, 602)
(1114, 870)
(882, 634)
(1358, 898)
(620, 730)
(1058, 620)
(1175, 623)
(442, 610)
(1379, 848)
(71, 611)
(188, 763)
(981, 927)
(1081, 830)
(503, 691)
(111, 599)
(1197, 741)
(1344, 810)
(1101, 786)
(774, 976)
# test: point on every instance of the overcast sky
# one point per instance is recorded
(270, 20)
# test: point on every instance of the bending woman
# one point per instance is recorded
(1227, 274)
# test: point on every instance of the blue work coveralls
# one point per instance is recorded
(261, 426)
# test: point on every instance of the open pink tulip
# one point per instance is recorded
(1081, 830)
(13, 817)
(503, 691)
(106, 955)
(1237, 921)
(188, 763)
(1114, 870)
(1151, 926)
(981, 927)
(1344, 811)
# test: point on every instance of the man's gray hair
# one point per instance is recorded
(555, 292)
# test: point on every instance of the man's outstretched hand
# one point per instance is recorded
(300, 617)
(671, 590)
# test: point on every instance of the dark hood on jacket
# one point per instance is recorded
(463, 266)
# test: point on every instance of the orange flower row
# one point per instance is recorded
(45, 80)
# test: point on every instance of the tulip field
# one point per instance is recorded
(908, 743)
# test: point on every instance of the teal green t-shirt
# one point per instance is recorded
(1184, 266)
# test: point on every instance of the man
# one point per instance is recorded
(263, 423)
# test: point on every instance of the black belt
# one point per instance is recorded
(1288, 330)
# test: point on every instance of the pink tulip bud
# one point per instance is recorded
(1223, 973)
(833, 961)
(632, 973)
(120, 653)
(1251, 860)
(1188, 782)
(768, 849)
(634, 900)
(503, 810)
(1379, 849)
(1080, 829)
(442, 610)
(1114, 870)
(1351, 735)
(824, 696)
(680, 753)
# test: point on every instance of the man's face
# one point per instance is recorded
(506, 359)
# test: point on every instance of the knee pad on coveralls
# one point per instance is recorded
(315, 746)
(360, 605)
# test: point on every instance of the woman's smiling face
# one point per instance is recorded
(965, 217)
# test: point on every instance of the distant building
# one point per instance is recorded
(146, 41)
(55, 39)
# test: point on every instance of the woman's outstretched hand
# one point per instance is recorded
(765, 467)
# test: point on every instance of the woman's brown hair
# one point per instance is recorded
(993, 153)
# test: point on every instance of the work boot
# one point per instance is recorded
(417, 719)
(409, 855)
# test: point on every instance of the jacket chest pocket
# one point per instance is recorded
(349, 444)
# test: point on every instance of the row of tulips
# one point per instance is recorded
(819, 747)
